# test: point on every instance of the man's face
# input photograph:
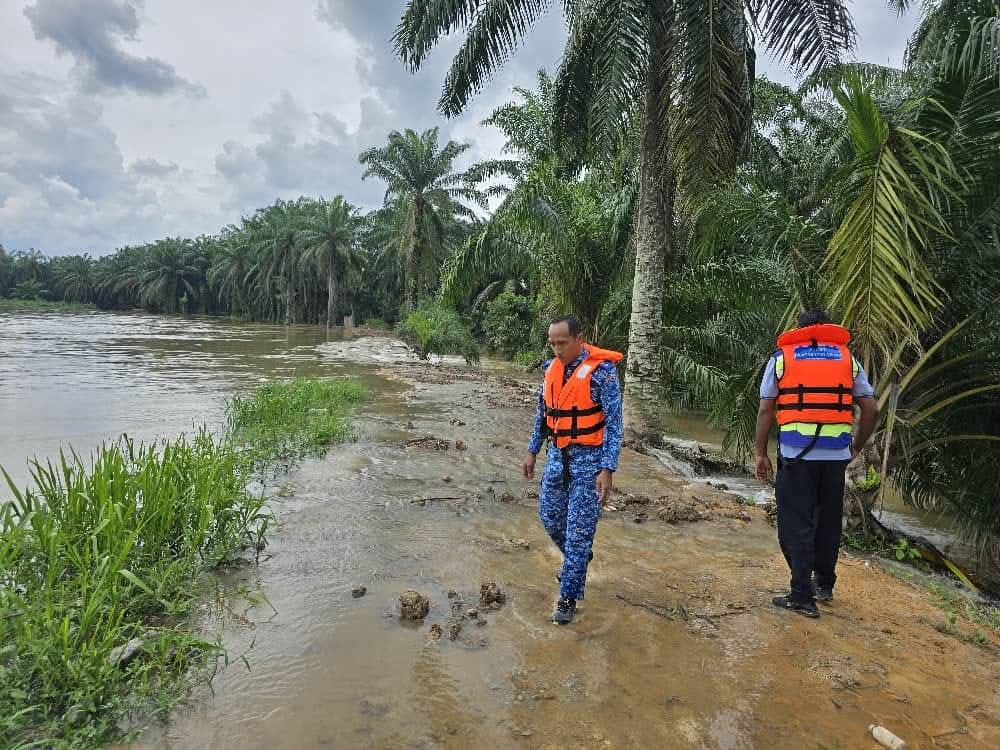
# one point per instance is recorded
(566, 346)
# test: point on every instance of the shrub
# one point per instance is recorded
(435, 329)
(509, 324)
(377, 324)
(528, 357)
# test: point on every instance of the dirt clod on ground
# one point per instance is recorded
(435, 632)
(413, 605)
(491, 595)
(358, 591)
(428, 441)
(680, 508)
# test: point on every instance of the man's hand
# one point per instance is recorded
(763, 469)
(604, 482)
(528, 467)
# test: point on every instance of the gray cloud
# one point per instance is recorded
(64, 186)
(301, 153)
(90, 31)
(153, 169)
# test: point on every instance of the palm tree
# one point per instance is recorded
(6, 272)
(561, 237)
(75, 277)
(232, 269)
(275, 235)
(682, 67)
(422, 202)
(328, 236)
(170, 271)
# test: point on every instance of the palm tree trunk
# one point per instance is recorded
(288, 301)
(653, 235)
(412, 257)
(331, 288)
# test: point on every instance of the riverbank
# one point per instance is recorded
(676, 645)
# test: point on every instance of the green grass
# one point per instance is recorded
(102, 552)
(976, 612)
(291, 419)
(41, 305)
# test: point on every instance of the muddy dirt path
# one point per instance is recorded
(675, 646)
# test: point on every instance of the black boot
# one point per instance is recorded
(565, 610)
(806, 609)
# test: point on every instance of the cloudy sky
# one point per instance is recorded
(122, 121)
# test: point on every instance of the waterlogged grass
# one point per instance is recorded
(113, 552)
(41, 305)
(292, 419)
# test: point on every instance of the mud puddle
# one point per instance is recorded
(676, 644)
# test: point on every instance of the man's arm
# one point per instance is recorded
(765, 418)
(611, 405)
(535, 443)
(763, 469)
(866, 423)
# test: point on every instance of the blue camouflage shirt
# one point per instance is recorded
(604, 390)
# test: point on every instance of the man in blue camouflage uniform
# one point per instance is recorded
(577, 479)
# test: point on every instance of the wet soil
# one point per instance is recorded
(675, 646)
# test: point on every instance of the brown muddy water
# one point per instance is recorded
(675, 645)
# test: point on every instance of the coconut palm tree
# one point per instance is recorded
(328, 236)
(683, 67)
(422, 197)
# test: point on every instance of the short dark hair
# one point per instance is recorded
(813, 318)
(572, 323)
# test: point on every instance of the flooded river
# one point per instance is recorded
(674, 646)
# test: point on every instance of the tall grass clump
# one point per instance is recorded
(94, 557)
(290, 419)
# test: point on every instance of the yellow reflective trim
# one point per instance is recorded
(809, 428)
(855, 367)
(779, 366)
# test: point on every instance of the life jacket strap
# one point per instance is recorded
(579, 431)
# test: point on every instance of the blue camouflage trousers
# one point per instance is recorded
(570, 515)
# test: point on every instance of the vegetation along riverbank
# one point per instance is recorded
(101, 562)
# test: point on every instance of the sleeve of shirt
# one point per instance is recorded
(611, 403)
(862, 387)
(535, 443)
(769, 383)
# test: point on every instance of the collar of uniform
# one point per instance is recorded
(568, 371)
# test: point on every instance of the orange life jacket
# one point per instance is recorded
(817, 380)
(571, 417)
